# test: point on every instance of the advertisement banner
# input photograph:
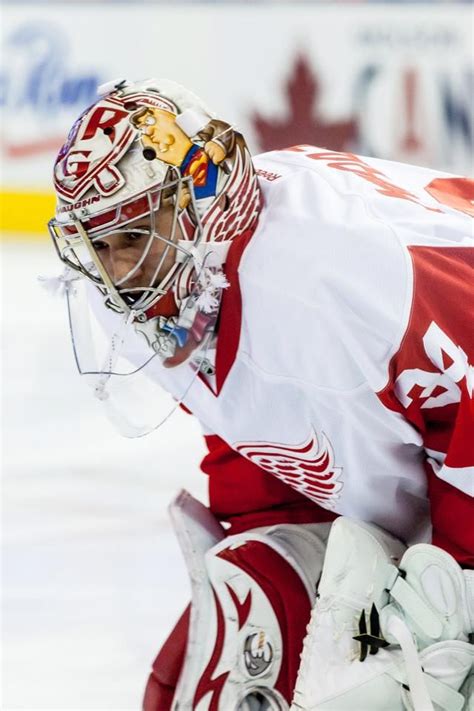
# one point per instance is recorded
(385, 80)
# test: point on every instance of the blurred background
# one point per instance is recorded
(92, 579)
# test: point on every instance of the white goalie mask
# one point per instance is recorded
(152, 189)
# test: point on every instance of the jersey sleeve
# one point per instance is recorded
(430, 383)
(245, 496)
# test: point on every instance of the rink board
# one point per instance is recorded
(386, 80)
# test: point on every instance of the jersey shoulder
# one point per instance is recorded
(320, 270)
(333, 254)
(439, 204)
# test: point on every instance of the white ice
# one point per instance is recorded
(93, 579)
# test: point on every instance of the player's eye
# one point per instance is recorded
(99, 245)
(135, 236)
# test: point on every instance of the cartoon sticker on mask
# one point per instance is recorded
(163, 138)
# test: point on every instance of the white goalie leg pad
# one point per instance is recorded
(382, 667)
(252, 595)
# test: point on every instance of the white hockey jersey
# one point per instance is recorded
(345, 343)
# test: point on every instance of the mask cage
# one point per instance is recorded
(75, 241)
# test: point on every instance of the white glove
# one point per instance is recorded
(380, 638)
(469, 582)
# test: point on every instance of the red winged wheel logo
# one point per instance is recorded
(308, 467)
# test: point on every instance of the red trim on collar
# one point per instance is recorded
(230, 318)
(166, 306)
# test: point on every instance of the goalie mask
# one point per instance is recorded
(151, 191)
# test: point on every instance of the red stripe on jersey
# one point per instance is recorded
(430, 384)
(230, 319)
(246, 496)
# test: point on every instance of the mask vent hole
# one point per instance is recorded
(149, 153)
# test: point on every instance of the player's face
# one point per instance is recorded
(137, 258)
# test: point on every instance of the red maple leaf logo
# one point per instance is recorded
(303, 124)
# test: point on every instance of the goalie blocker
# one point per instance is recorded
(238, 646)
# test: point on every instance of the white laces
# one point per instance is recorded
(57, 285)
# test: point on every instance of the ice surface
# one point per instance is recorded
(92, 576)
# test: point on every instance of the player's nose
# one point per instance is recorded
(121, 264)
